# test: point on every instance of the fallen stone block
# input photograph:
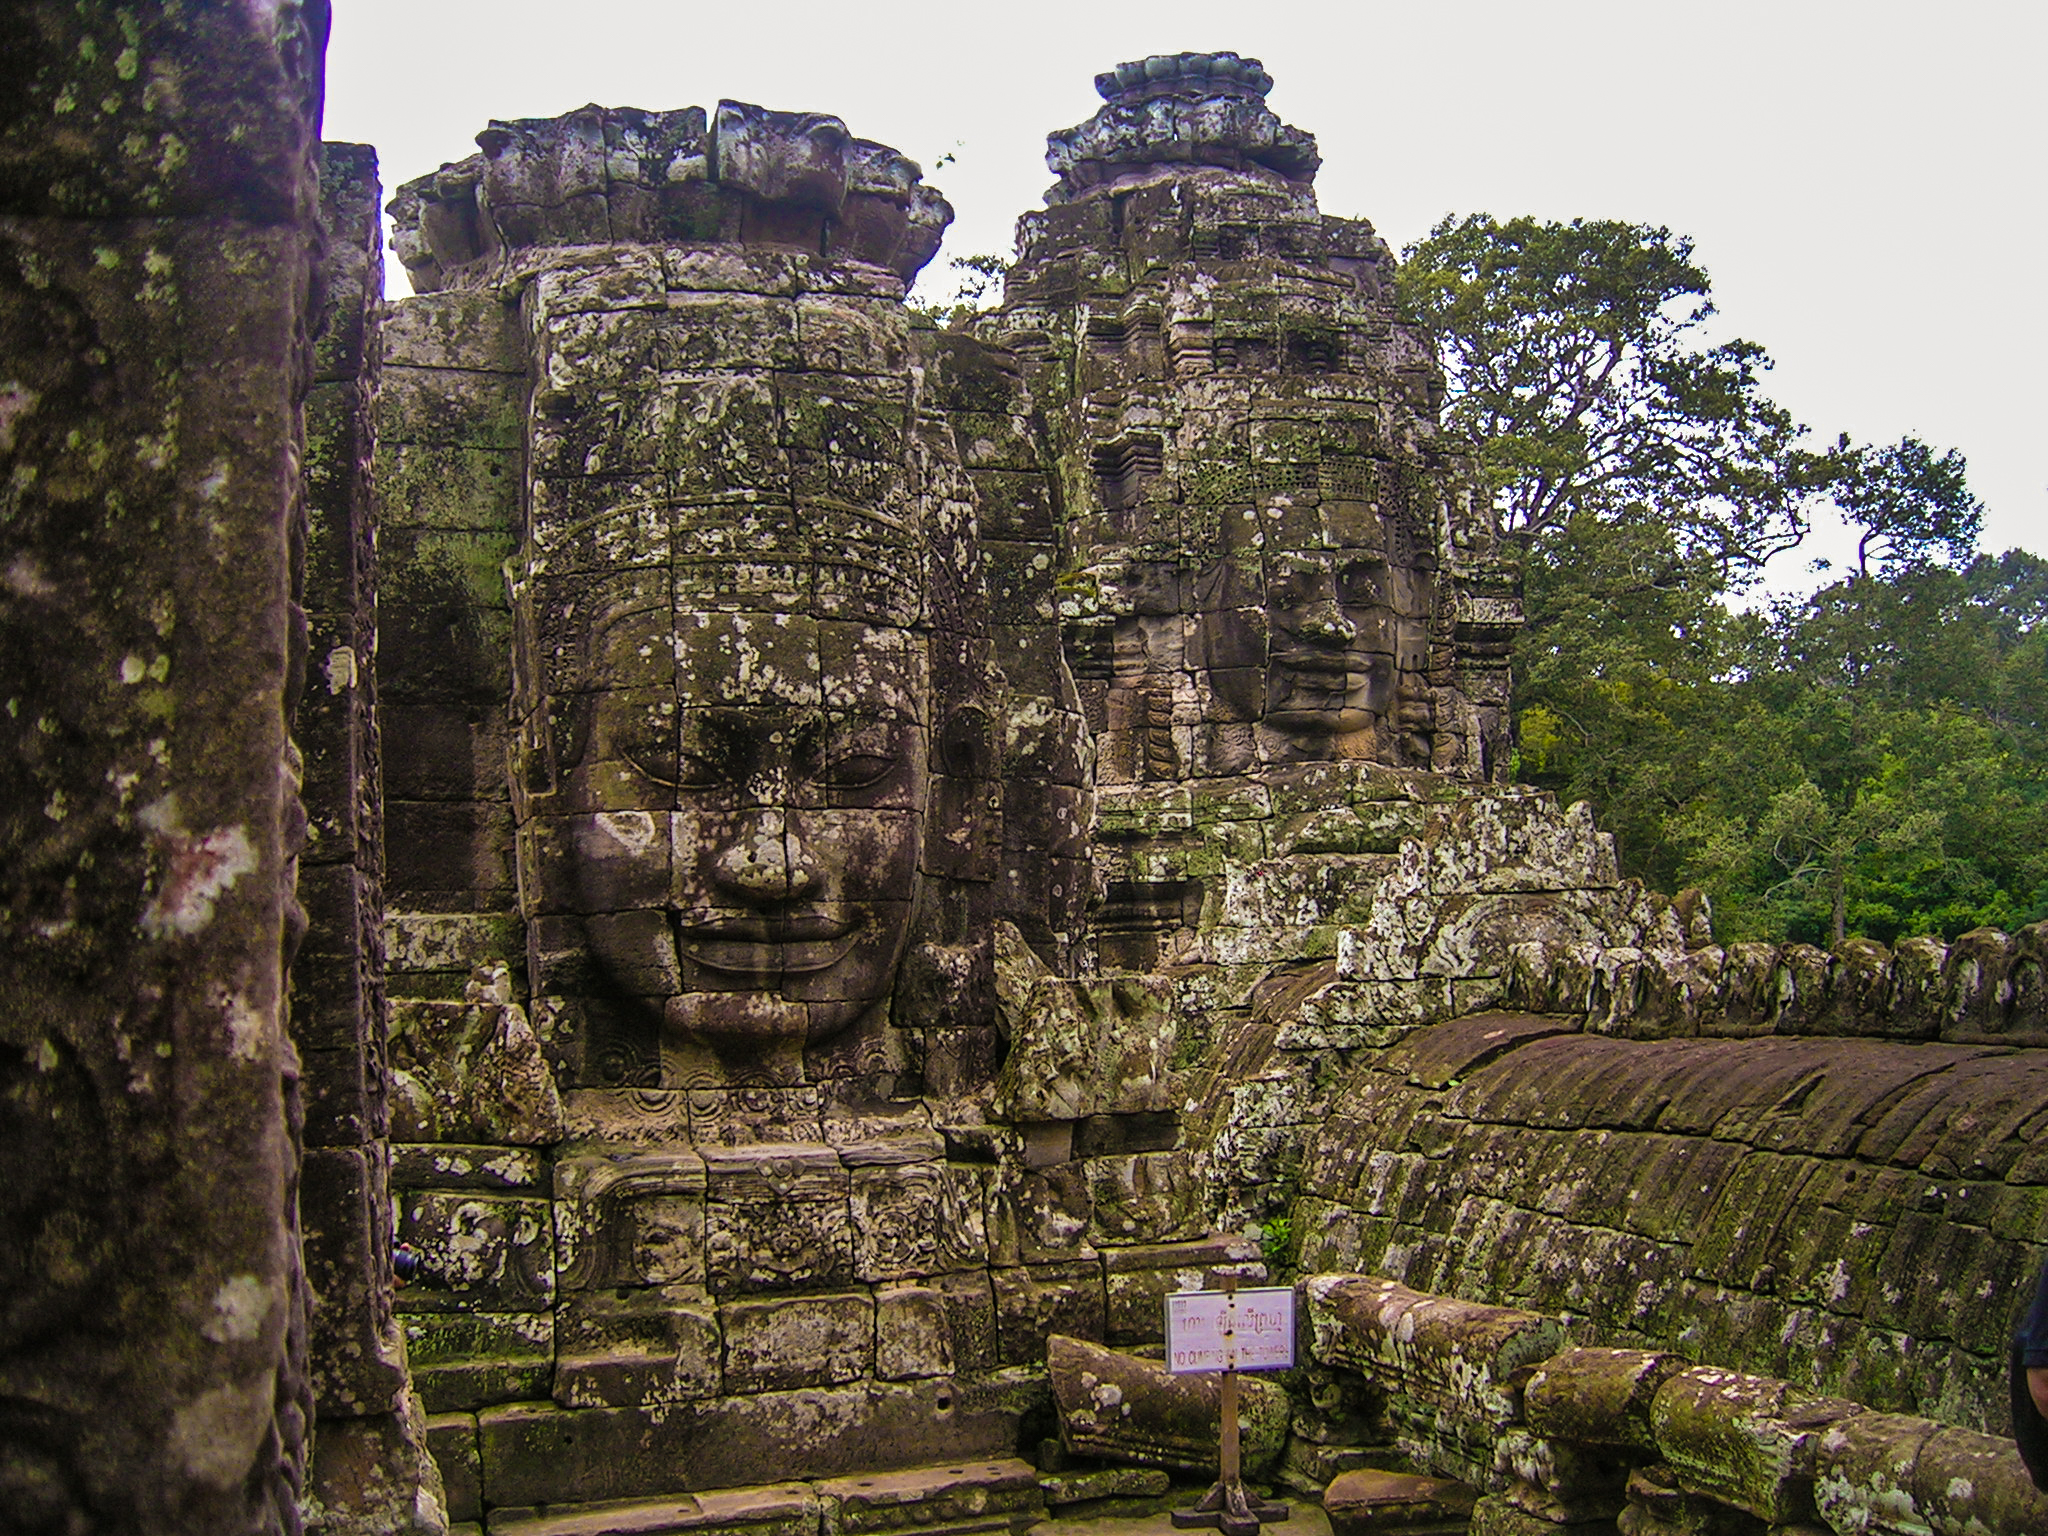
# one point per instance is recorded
(1453, 1354)
(1077, 1487)
(1658, 1505)
(1965, 1482)
(1598, 1396)
(1368, 1502)
(783, 1509)
(945, 1500)
(1498, 1515)
(1749, 1441)
(1123, 1408)
(1559, 1481)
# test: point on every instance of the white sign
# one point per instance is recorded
(1230, 1331)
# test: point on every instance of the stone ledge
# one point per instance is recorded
(948, 1499)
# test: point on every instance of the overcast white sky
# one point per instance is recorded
(1864, 178)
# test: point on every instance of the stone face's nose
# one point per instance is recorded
(1325, 621)
(766, 862)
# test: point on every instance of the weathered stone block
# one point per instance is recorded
(1964, 1481)
(631, 1219)
(443, 1166)
(1561, 1481)
(1598, 1396)
(375, 1476)
(451, 1438)
(918, 1219)
(1977, 992)
(1035, 1301)
(777, 1218)
(913, 1334)
(1120, 1407)
(1454, 1353)
(481, 1253)
(450, 857)
(1139, 1278)
(623, 1348)
(781, 1509)
(466, 329)
(1367, 1502)
(1078, 1486)
(471, 1072)
(1089, 1047)
(946, 1327)
(358, 1359)
(1497, 1514)
(1147, 1198)
(1864, 1473)
(540, 1454)
(1749, 1441)
(449, 407)
(466, 1360)
(948, 1501)
(798, 1341)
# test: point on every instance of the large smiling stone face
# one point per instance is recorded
(748, 822)
(1331, 643)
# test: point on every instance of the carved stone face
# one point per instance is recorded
(797, 836)
(750, 876)
(1330, 643)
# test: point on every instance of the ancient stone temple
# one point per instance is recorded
(649, 896)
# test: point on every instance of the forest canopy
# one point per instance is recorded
(1869, 760)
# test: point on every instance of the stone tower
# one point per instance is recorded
(1270, 555)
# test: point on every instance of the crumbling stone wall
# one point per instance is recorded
(1536, 1436)
(1988, 988)
(159, 219)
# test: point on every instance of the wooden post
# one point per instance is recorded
(1230, 1507)
(1229, 1470)
(1228, 1437)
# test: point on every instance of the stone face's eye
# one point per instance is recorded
(656, 760)
(855, 770)
(1359, 586)
(1291, 588)
(701, 770)
(645, 736)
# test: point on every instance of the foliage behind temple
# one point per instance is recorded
(1869, 760)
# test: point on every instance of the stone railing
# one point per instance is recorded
(1987, 988)
(1586, 1439)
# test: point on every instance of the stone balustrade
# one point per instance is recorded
(1563, 1438)
(1988, 987)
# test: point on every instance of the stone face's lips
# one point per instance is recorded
(770, 947)
(1336, 662)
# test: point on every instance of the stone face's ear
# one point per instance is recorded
(967, 743)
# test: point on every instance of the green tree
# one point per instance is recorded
(977, 282)
(1577, 358)
(1871, 760)
(1910, 503)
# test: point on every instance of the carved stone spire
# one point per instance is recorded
(617, 175)
(1180, 110)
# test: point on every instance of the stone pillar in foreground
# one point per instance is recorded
(158, 220)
